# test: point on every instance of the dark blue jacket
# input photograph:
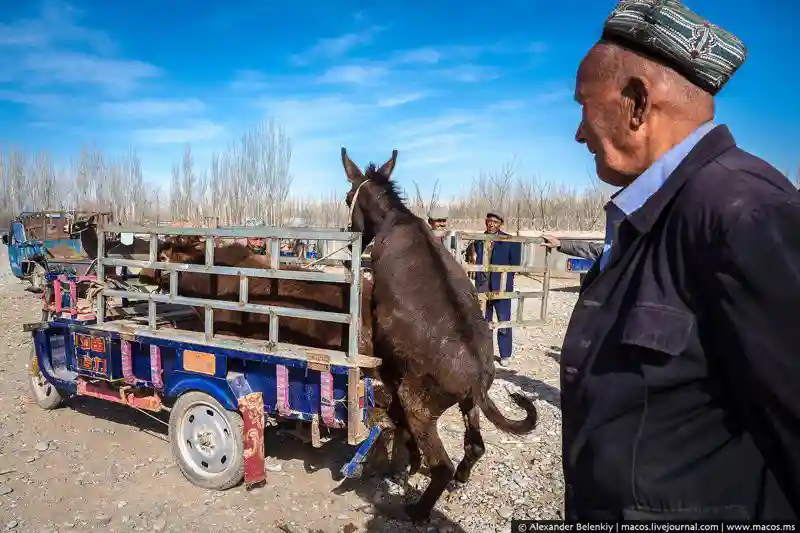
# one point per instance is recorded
(504, 253)
(680, 366)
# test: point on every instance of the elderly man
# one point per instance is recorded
(502, 253)
(437, 220)
(680, 366)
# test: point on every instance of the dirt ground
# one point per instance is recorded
(94, 466)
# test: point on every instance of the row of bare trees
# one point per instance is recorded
(525, 203)
(250, 182)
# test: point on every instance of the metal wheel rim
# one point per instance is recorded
(206, 439)
(41, 387)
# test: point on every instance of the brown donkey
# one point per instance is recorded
(428, 327)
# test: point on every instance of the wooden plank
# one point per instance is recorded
(354, 423)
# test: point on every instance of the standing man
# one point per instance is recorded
(680, 366)
(501, 253)
(437, 220)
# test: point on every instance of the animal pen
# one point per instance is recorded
(462, 238)
(220, 391)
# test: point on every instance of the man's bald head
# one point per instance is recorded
(610, 62)
(635, 108)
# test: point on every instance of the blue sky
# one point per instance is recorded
(456, 87)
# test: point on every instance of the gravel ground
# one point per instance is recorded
(93, 466)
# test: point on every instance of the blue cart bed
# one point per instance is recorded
(220, 391)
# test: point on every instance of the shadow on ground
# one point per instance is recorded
(371, 488)
(529, 385)
(284, 444)
(155, 424)
(571, 289)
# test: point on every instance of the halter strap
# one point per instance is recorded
(353, 203)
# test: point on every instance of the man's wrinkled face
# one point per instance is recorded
(604, 123)
(438, 223)
(493, 224)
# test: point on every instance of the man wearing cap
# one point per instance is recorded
(680, 365)
(502, 253)
(437, 220)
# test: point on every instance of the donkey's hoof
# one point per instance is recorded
(416, 513)
(455, 485)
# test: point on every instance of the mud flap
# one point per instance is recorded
(355, 467)
(252, 408)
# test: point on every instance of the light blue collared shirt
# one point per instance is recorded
(637, 193)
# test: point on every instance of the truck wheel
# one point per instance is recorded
(48, 296)
(207, 441)
(37, 279)
(44, 393)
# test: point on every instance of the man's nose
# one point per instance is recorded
(579, 136)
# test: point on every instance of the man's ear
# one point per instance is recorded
(354, 173)
(388, 167)
(637, 101)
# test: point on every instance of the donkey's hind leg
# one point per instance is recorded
(474, 447)
(402, 436)
(422, 415)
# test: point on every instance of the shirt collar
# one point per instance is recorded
(637, 193)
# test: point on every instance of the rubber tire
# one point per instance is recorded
(37, 279)
(48, 294)
(228, 478)
(53, 397)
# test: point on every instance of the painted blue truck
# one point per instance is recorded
(219, 391)
(42, 242)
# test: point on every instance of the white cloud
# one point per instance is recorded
(250, 80)
(333, 47)
(57, 23)
(74, 68)
(354, 75)
(143, 109)
(191, 133)
(302, 116)
(468, 73)
(401, 99)
(425, 56)
(40, 100)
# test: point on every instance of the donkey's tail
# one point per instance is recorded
(517, 427)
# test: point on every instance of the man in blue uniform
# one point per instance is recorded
(502, 253)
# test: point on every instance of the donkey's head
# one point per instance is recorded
(372, 196)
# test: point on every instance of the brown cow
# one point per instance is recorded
(301, 294)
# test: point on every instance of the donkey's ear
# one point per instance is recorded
(354, 173)
(388, 167)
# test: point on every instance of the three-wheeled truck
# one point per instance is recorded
(45, 241)
(103, 337)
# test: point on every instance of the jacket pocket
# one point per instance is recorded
(658, 327)
(703, 514)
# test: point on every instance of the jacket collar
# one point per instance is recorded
(709, 148)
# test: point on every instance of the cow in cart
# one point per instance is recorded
(103, 339)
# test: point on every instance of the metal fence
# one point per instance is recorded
(462, 240)
(273, 236)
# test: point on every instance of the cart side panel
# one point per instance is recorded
(302, 385)
(53, 346)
